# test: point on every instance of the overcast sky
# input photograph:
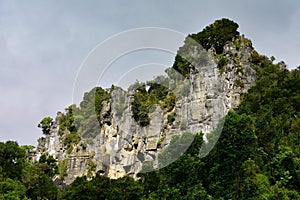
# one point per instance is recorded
(43, 43)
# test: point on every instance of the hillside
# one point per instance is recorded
(223, 124)
(120, 132)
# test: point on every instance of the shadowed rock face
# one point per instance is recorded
(122, 146)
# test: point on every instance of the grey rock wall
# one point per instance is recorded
(122, 146)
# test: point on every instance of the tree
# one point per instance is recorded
(45, 124)
(217, 34)
(12, 189)
(237, 143)
(38, 184)
(49, 165)
(12, 159)
(102, 187)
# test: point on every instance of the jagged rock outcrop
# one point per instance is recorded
(122, 146)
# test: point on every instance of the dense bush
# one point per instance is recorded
(215, 35)
(66, 121)
(101, 187)
(12, 160)
(83, 121)
(19, 179)
(141, 105)
(45, 124)
(144, 100)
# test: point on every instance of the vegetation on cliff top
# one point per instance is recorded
(213, 36)
(256, 157)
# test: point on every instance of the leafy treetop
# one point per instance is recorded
(215, 35)
(45, 124)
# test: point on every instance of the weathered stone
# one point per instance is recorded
(123, 146)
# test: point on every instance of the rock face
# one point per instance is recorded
(122, 146)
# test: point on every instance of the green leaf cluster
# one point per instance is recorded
(215, 35)
(62, 169)
(19, 179)
(83, 121)
(101, 187)
(144, 100)
(45, 124)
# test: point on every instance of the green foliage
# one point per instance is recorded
(28, 148)
(222, 62)
(48, 165)
(182, 178)
(70, 149)
(38, 184)
(12, 189)
(91, 168)
(239, 83)
(158, 90)
(162, 138)
(83, 121)
(182, 66)
(93, 102)
(240, 69)
(88, 116)
(66, 121)
(257, 155)
(70, 140)
(262, 162)
(215, 35)
(171, 117)
(83, 145)
(189, 56)
(12, 159)
(236, 144)
(62, 169)
(141, 105)
(179, 145)
(21, 180)
(144, 100)
(101, 187)
(45, 124)
(169, 102)
(160, 141)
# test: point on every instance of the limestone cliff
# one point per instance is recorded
(122, 146)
